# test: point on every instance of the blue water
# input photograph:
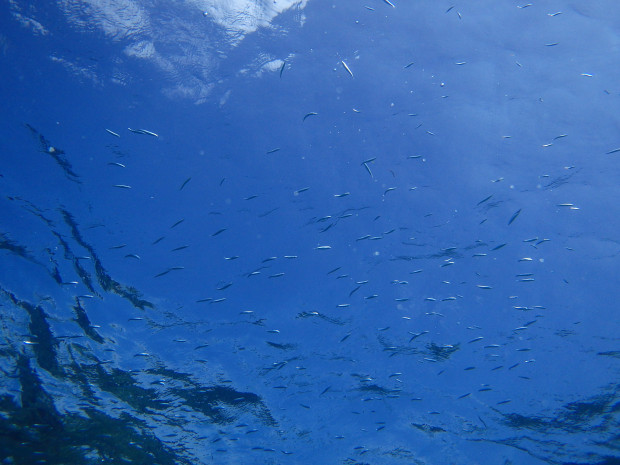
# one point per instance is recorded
(341, 233)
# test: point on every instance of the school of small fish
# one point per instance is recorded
(342, 305)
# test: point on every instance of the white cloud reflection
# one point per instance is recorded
(187, 41)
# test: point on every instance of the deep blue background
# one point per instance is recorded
(441, 327)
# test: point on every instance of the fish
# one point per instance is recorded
(484, 200)
(347, 68)
(177, 223)
(514, 217)
(312, 113)
(143, 131)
